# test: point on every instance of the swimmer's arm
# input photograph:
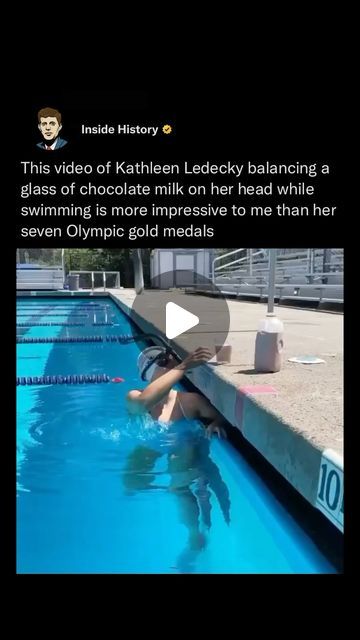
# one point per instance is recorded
(143, 401)
(205, 410)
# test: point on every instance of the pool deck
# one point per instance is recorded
(294, 418)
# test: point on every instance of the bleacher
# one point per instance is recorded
(38, 278)
(313, 276)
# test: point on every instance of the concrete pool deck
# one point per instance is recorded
(294, 418)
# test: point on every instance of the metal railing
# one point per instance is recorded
(307, 274)
(246, 259)
(311, 264)
(104, 274)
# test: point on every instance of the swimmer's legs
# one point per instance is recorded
(218, 486)
(189, 515)
(203, 495)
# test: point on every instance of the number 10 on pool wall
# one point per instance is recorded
(330, 497)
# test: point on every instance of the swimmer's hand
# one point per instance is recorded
(195, 359)
(215, 428)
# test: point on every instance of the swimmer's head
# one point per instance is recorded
(153, 362)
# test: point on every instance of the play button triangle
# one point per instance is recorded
(178, 320)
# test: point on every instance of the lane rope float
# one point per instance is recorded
(70, 379)
(64, 324)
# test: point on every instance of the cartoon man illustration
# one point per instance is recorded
(50, 125)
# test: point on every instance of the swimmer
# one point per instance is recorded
(162, 371)
(194, 477)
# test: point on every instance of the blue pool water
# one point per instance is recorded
(100, 491)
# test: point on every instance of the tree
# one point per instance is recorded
(108, 260)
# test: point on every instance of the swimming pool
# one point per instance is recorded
(99, 491)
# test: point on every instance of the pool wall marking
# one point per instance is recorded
(330, 496)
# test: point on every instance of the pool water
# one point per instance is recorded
(100, 491)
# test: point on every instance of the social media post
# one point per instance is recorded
(160, 372)
(127, 169)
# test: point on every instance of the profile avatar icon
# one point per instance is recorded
(49, 123)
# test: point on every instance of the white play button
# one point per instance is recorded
(178, 314)
(178, 320)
